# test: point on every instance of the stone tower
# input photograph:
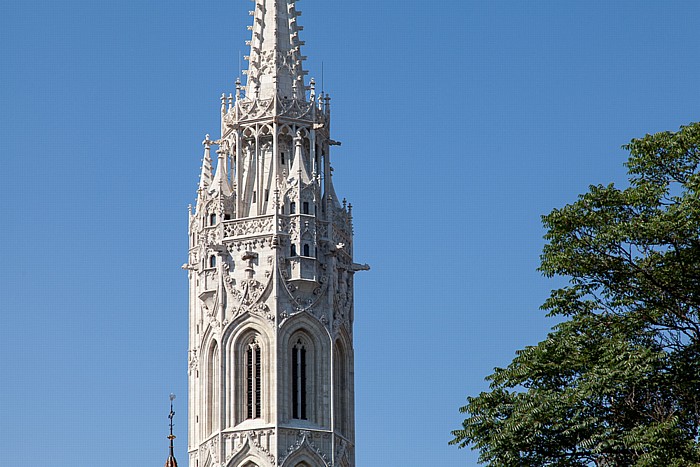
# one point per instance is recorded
(271, 272)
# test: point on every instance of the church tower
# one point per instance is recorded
(271, 272)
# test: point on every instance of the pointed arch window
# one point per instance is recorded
(212, 219)
(307, 250)
(293, 250)
(305, 207)
(253, 364)
(212, 389)
(299, 381)
(342, 389)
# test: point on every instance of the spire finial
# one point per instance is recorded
(171, 462)
(275, 61)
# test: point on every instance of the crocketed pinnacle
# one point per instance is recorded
(299, 167)
(205, 177)
(275, 60)
(220, 183)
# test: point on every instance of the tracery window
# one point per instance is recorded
(299, 381)
(253, 365)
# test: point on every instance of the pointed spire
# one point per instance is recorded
(171, 462)
(220, 183)
(275, 60)
(331, 192)
(299, 167)
(205, 177)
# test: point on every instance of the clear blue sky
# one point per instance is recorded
(462, 122)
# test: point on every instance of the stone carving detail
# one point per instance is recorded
(342, 301)
(305, 439)
(248, 244)
(253, 440)
(211, 236)
(294, 108)
(193, 362)
(247, 227)
(302, 302)
(250, 109)
(248, 296)
(212, 446)
(288, 225)
(322, 229)
(341, 450)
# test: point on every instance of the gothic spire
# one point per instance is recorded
(171, 462)
(275, 60)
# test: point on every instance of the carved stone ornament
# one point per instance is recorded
(248, 296)
(305, 441)
(248, 227)
(341, 449)
(248, 441)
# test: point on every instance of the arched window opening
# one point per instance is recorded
(305, 207)
(253, 363)
(342, 400)
(299, 382)
(292, 208)
(307, 250)
(212, 219)
(293, 250)
(282, 158)
(212, 389)
(212, 261)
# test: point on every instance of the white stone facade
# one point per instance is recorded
(271, 273)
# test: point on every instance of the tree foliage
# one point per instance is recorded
(617, 383)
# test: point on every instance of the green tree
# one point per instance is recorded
(617, 382)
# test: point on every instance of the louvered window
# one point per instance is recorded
(299, 382)
(253, 380)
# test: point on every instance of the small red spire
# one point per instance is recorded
(171, 462)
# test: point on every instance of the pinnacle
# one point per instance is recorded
(275, 60)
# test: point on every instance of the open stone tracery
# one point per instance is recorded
(271, 269)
